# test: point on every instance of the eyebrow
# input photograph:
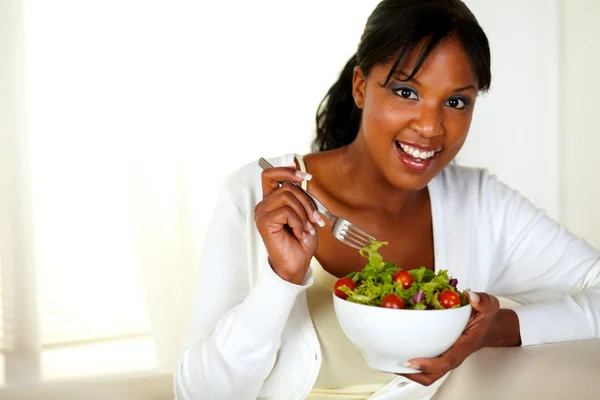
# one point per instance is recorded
(464, 88)
(401, 73)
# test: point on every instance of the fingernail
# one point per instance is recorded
(310, 228)
(304, 238)
(413, 366)
(474, 297)
(303, 175)
(318, 218)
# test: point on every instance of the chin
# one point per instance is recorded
(404, 181)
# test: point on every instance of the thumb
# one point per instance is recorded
(483, 302)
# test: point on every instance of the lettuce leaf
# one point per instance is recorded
(422, 274)
(375, 281)
(371, 253)
(436, 303)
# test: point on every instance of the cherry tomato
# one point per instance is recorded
(349, 283)
(404, 278)
(392, 301)
(448, 299)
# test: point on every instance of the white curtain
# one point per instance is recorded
(122, 118)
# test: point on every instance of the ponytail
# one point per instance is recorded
(338, 117)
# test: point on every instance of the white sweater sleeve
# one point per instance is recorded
(236, 329)
(556, 274)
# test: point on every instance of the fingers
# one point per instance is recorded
(483, 302)
(272, 177)
(299, 209)
(290, 196)
(288, 216)
(294, 197)
(432, 369)
(283, 218)
(444, 363)
(423, 379)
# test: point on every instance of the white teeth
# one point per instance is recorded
(416, 153)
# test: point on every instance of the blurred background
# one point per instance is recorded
(120, 118)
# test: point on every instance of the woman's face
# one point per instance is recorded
(412, 129)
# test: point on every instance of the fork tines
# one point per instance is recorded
(355, 236)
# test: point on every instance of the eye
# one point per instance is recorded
(457, 102)
(406, 93)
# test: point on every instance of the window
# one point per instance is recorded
(112, 168)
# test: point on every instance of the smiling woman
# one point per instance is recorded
(387, 132)
(425, 121)
(119, 120)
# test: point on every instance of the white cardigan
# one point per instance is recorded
(251, 334)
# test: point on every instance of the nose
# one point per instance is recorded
(428, 121)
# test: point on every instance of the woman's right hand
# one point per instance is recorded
(285, 219)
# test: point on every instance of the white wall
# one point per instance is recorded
(537, 128)
(580, 112)
(515, 126)
(262, 69)
(254, 79)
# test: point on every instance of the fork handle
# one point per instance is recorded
(264, 164)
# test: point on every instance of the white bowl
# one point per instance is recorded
(389, 338)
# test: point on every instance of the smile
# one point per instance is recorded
(414, 158)
(417, 154)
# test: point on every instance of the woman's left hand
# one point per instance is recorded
(473, 338)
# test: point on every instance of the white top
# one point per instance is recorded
(354, 380)
(251, 334)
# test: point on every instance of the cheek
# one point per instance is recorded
(384, 118)
(456, 131)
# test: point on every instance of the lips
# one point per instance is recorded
(416, 151)
(415, 157)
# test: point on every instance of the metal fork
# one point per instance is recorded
(342, 229)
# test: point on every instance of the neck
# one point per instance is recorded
(368, 183)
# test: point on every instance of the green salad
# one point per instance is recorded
(383, 284)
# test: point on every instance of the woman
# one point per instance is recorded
(387, 133)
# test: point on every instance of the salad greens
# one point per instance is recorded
(376, 281)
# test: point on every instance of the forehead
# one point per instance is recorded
(447, 64)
